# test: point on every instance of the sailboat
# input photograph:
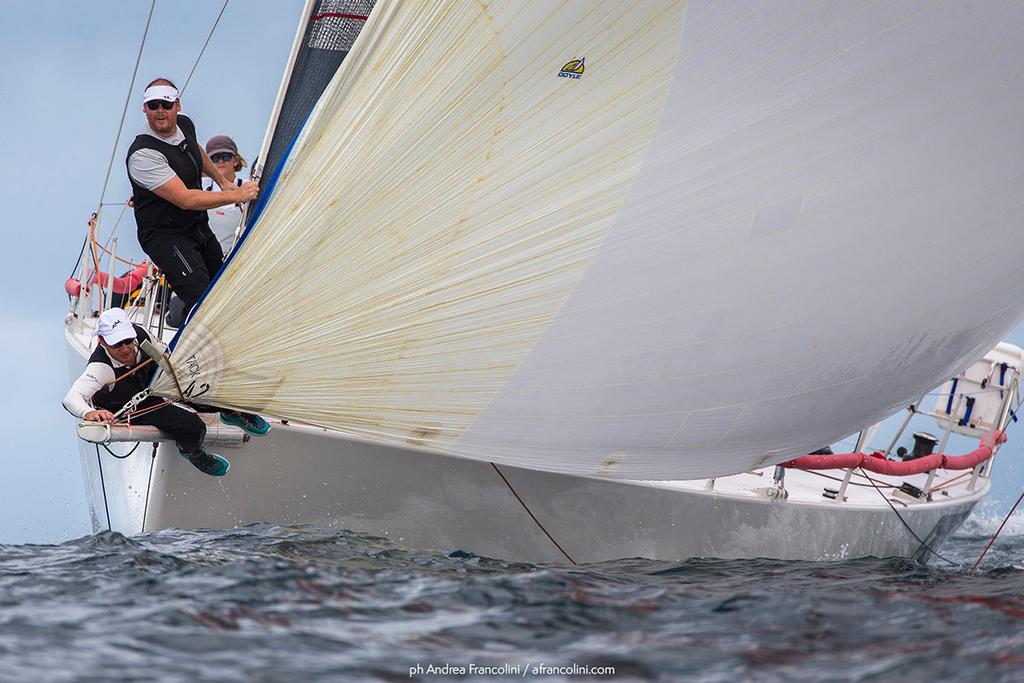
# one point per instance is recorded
(568, 280)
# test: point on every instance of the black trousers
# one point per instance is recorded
(188, 260)
(184, 426)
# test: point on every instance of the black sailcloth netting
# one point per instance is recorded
(329, 35)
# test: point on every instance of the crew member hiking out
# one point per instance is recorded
(165, 166)
(108, 387)
(113, 377)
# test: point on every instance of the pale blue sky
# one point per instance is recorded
(64, 73)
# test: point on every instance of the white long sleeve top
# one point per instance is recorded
(78, 400)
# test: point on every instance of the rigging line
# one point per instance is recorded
(113, 230)
(949, 482)
(874, 482)
(79, 261)
(148, 409)
(996, 534)
(149, 486)
(127, 101)
(214, 28)
(121, 457)
(904, 522)
(103, 487)
(131, 372)
(532, 516)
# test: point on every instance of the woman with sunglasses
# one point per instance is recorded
(165, 166)
(224, 220)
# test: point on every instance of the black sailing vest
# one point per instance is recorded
(114, 397)
(153, 214)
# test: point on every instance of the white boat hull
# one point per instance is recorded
(303, 475)
(300, 474)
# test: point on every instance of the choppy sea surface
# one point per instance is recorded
(267, 603)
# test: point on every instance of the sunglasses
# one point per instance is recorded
(123, 343)
(222, 156)
(153, 105)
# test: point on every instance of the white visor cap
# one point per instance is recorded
(160, 92)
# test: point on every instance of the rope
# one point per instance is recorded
(96, 245)
(996, 534)
(904, 522)
(214, 28)
(173, 374)
(127, 101)
(130, 372)
(120, 457)
(136, 413)
(532, 516)
(949, 482)
(937, 487)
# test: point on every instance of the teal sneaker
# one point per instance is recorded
(207, 463)
(253, 425)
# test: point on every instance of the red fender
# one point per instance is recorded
(122, 285)
(876, 462)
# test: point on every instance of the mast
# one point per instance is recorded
(257, 170)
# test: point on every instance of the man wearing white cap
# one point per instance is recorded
(109, 382)
(166, 164)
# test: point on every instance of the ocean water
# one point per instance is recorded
(267, 603)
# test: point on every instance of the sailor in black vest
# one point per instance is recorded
(165, 166)
(116, 355)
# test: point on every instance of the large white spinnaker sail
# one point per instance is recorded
(634, 239)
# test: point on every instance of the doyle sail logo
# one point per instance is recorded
(573, 69)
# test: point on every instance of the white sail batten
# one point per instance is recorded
(630, 239)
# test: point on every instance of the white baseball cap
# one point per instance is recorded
(114, 326)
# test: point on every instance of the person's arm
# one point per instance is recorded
(212, 171)
(76, 401)
(175, 192)
(150, 169)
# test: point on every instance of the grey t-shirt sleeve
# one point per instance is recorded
(149, 168)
